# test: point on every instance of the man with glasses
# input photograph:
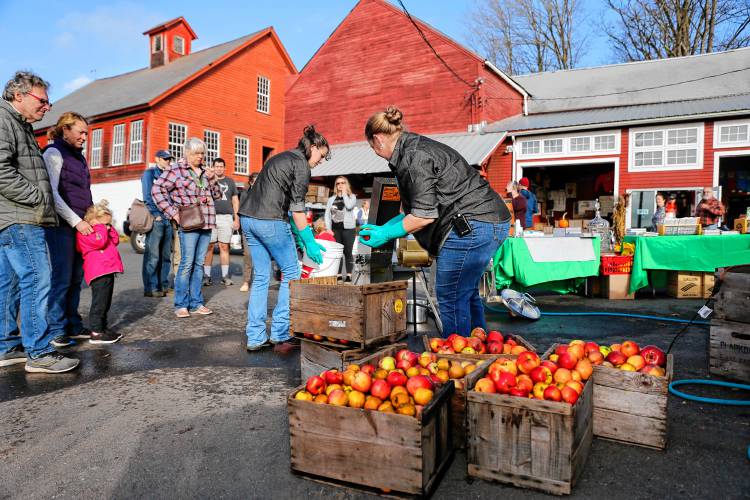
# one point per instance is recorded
(26, 207)
(157, 258)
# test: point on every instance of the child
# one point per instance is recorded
(321, 232)
(101, 261)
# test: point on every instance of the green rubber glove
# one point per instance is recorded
(377, 236)
(313, 249)
(295, 233)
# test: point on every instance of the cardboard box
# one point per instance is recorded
(708, 284)
(741, 225)
(617, 287)
(685, 285)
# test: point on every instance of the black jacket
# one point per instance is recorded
(436, 182)
(280, 188)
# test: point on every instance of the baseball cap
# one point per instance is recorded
(524, 181)
(163, 154)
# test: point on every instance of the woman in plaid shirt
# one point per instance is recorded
(186, 183)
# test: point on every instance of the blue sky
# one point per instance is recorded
(71, 43)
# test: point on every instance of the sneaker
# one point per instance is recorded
(226, 281)
(15, 355)
(104, 338)
(52, 362)
(156, 294)
(207, 281)
(85, 333)
(62, 341)
(203, 311)
(245, 287)
(253, 348)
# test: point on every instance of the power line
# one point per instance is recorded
(433, 48)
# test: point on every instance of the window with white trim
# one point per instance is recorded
(211, 139)
(732, 133)
(264, 94)
(580, 144)
(604, 143)
(176, 137)
(179, 45)
(96, 148)
(241, 155)
(157, 44)
(553, 146)
(118, 145)
(677, 147)
(530, 147)
(135, 151)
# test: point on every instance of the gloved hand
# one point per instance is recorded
(377, 236)
(295, 233)
(313, 249)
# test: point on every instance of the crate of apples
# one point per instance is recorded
(627, 356)
(482, 343)
(322, 339)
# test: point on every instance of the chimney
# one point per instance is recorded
(169, 41)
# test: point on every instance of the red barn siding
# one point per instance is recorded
(500, 167)
(500, 100)
(177, 30)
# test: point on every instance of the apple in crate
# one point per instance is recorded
(527, 361)
(630, 348)
(485, 385)
(420, 381)
(479, 333)
(333, 377)
(436, 344)
(653, 355)
(495, 336)
(552, 393)
(396, 379)
(315, 385)
(362, 382)
(338, 398)
(541, 374)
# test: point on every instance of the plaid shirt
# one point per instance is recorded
(709, 211)
(177, 187)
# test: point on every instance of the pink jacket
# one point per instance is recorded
(99, 250)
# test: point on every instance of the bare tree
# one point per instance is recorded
(521, 36)
(656, 29)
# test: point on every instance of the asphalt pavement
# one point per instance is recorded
(179, 409)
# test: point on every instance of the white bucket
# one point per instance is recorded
(331, 261)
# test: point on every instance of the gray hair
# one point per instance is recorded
(193, 144)
(22, 82)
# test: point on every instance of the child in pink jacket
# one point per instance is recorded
(101, 261)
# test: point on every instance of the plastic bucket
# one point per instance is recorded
(331, 261)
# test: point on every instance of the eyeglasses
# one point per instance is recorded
(43, 102)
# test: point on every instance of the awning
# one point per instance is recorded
(358, 158)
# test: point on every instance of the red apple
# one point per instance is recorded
(485, 385)
(561, 349)
(523, 381)
(403, 354)
(654, 370)
(362, 381)
(519, 391)
(629, 348)
(549, 364)
(566, 360)
(510, 341)
(569, 395)
(436, 344)
(575, 385)
(576, 350)
(541, 374)
(589, 347)
(527, 361)
(479, 333)
(505, 365)
(552, 393)
(380, 389)
(505, 382)
(617, 358)
(403, 364)
(315, 385)
(596, 357)
(584, 368)
(446, 349)
(338, 398)
(396, 378)
(494, 348)
(459, 343)
(636, 361)
(420, 381)
(653, 355)
(475, 343)
(495, 336)
(333, 377)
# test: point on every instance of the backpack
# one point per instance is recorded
(141, 220)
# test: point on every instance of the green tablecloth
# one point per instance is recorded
(686, 253)
(514, 265)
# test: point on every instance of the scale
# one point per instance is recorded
(520, 304)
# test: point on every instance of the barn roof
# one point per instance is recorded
(358, 158)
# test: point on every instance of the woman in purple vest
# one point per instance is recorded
(71, 189)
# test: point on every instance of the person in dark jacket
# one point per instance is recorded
(452, 211)
(71, 190)
(279, 189)
(518, 201)
(26, 208)
(157, 257)
(532, 205)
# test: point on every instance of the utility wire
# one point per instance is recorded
(433, 48)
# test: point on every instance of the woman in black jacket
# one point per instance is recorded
(451, 210)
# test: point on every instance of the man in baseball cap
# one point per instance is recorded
(157, 257)
(164, 155)
(532, 206)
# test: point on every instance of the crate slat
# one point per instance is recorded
(317, 357)
(640, 430)
(729, 350)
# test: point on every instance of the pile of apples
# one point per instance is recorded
(320, 338)
(627, 356)
(529, 377)
(400, 384)
(479, 342)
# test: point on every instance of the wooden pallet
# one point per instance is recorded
(316, 357)
(729, 350)
(363, 315)
(528, 443)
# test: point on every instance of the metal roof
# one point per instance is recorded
(678, 78)
(358, 158)
(137, 87)
(624, 114)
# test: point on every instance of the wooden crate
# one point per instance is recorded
(364, 315)
(732, 302)
(316, 358)
(729, 350)
(526, 442)
(631, 407)
(463, 357)
(358, 447)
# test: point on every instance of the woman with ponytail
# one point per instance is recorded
(451, 210)
(279, 189)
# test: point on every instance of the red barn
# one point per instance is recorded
(230, 95)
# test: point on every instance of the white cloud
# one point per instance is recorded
(64, 39)
(76, 83)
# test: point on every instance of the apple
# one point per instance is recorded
(317, 337)
(468, 350)
(475, 343)
(443, 376)
(415, 383)
(575, 385)
(563, 376)
(321, 399)
(561, 349)
(372, 403)
(604, 350)
(654, 370)
(615, 347)
(567, 360)
(485, 385)
(527, 361)
(446, 349)
(576, 350)
(380, 389)
(435, 380)
(423, 396)
(541, 374)
(554, 357)
(368, 369)
(332, 387)
(504, 382)
(399, 399)
(456, 371)
(303, 396)
(380, 374)
(630, 348)
(315, 385)
(494, 348)
(426, 358)
(608, 364)
(459, 343)
(653, 355)
(386, 407)
(407, 409)
(516, 349)
(396, 378)
(596, 357)
(569, 395)
(403, 354)
(539, 389)
(552, 393)
(479, 333)
(523, 381)
(362, 382)
(507, 348)
(338, 398)
(414, 371)
(577, 342)
(584, 368)
(636, 361)
(343, 342)
(403, 364)
(356, 399)
(387, 363)
(590, 347)
(549, 364)
(519, 391)
(617, 358)
(436, 344)
(307, 335)
(495, 336)
(628, 368)
(424, 371)
(505, 365)
(333, 377)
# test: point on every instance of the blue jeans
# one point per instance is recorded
(67, 276)
(460, 265)
(157, 259)
(269, 239)
(189, 278)
(24, 277)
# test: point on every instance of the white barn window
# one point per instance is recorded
(731, 133)
(135, 154)
(678, 147)
(96, 148)
(211, 139)
(241, 155)
(177, 135)
(118, 145)
(264, 94)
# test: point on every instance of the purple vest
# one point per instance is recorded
(75, 179)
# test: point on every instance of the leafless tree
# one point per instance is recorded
(521, 36)
(656, 29)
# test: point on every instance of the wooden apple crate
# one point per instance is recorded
(631, 407)
(732, 302)
(463, 357)
(526, 442)
(364, 315)
(316, 358)
(729, 350)
(358, 448)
